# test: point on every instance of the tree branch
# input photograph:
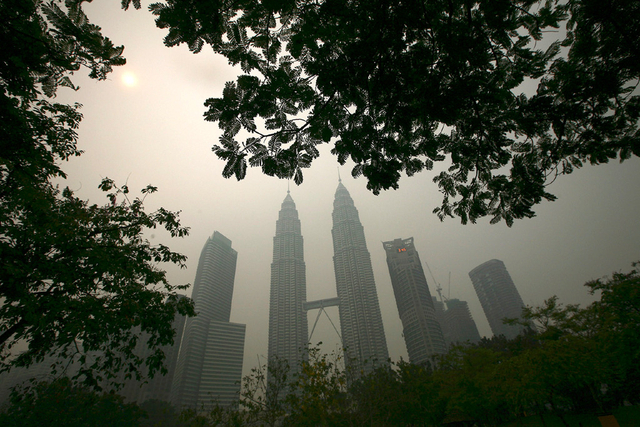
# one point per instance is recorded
(12, 330)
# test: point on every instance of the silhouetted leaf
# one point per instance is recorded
(399, 86)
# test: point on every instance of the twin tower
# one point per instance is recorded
(360, 320)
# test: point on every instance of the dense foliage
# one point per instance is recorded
(397, 86)
(581, 363)
(62, 403)
(75, 277)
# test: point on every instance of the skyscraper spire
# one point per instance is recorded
(288, 329)
(360, 318)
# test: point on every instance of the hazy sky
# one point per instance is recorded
(144, 126)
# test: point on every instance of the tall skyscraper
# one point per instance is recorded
(360, 319)
(498, 296)
(209, 366)
(421, 329)
(288, 328)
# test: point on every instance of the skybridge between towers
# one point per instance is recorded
(321, 304)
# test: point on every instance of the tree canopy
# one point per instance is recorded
(62, 403)
(579, 362)
(75, 278)
(397, 86)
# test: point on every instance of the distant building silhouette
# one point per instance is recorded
(209, 366)
(288, 327)
(460, 324)
(440, 309)
(158, 387)
(498, 296)
(421, 329)
(360, 318)
(457, 323)
(39, 371)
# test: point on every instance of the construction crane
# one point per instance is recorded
(438, 286)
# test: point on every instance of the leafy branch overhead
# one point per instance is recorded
(78, 281)
(96, 286)
(397, 86)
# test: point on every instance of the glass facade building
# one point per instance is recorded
(209, 367)
(421, 329)
(498, 296)
(288, 326)
(360, 319)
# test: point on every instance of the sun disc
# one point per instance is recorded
(129, 79)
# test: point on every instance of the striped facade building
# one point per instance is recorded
(498, 296)
(421, 329)
(288, 327)
(360, 319)
(209, 366)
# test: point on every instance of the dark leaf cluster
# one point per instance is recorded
(63, 403)
(397, 86)
(76, 279)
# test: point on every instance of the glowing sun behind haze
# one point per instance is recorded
(129, 79)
